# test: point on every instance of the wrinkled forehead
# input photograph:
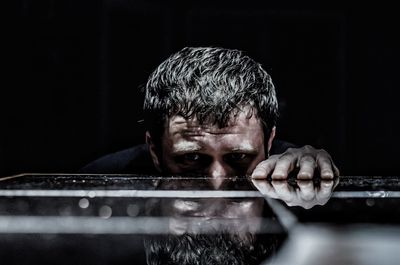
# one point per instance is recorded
(240, 116)
(207, 112)
(236, 125)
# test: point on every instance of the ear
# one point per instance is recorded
(153, 153)
(271, 138)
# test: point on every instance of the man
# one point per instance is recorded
(213, 111)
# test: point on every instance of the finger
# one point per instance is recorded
(263, 169)
(335, 183)
(325, 189)
(284, 166)
(283, 190)
(325, 165)
(306, 190)
(336, 170)
(307, 166)
(265, 188)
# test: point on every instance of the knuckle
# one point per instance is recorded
(308, 147)
(307, 158)
(265, 164)
(287, 157)
(290, 149)
(321, 153)
(292, 152)
(272, 158)
(283, 168)
(323, 159)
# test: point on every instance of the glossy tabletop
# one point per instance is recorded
(138, 219)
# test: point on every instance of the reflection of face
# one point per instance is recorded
(191, 148)
(213, 207)
(239, 216)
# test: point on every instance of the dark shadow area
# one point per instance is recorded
(76, 68)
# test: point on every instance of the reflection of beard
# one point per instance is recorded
(209, 249)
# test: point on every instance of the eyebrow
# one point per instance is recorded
(244, 147)
(185, 146)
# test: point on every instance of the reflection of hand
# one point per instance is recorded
(306, 194)
(306, 159)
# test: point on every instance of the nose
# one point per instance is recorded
(218, 172)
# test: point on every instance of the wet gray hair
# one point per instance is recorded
(210, 84)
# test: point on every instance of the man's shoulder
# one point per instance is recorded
(131, 160)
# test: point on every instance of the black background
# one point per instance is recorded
(71, 86)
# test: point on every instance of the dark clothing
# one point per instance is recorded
(134, 160)
(137, 160)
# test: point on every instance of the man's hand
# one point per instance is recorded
(306, 159)
(304, 194)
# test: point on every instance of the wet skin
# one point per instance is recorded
(193, 148)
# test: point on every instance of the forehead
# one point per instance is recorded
(236, 124)
(241, 130)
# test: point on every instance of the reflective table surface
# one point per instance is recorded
(137, 219)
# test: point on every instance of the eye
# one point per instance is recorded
(236, 157)
(191, 157)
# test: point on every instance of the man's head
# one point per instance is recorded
(201, 96)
